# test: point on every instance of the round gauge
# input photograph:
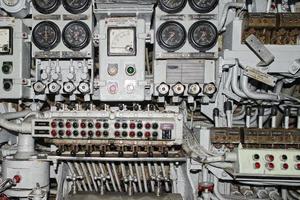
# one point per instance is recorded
(11, 2)
(46, 6)
(76, 35)
(203, 6)
(203, 35)
(172, 6)
(76, 6)
(171, 36)
(46, 35)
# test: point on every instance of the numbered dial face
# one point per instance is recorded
(203, 6)
(46, 6)
(203, 35)
(171, 36)
(122, 41)
(76, 6)
(46, 35)
(76, 35)
(172, 6)
(11, 2)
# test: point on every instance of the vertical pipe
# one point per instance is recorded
(151, 175)
(117, 177)
(287, 113)
(74, 174)
(92, 176)
(124, 176)
(165, 177)
(144, 177)
(132, 175)
(138, 177)
(111, 176)
(80, 174)
(248, 117)
(86, 176)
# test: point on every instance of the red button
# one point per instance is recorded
(82, 125)
(98, 133)
(285, 166)
(148, 126)
(117, 134)
(17, 179)
(297, 166)
(270, 158)
(68, 125)
(68, 133)
(270, 166)
(98, 125)
(132, 134)
(132, 125)
(54, 133)
(53, 124)
(257, 165)
(147, 134)
(83, 133)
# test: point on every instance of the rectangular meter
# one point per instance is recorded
(5, 40)
(121, 41)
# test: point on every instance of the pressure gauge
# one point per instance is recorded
(11, 2)
(203, 6)
(5, 40)
(46, 35)
(76, 6)
(76, 35)
(203, 35)
(172, 6)
(171, 36)
(46, 6)
(122, 41)
(194, 89)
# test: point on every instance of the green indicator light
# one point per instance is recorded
(130, 70)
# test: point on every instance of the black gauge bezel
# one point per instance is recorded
(87, 39)
(169, 10)
(46, 10)
(192, 39)
(73, 10)
(165, 46)
(198, 9)
(56, 41)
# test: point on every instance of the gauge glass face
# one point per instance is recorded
(76, 6)
(46, 6)
(46, 35)
(171, 36)
(76, 35)
(122, 41)
(11, 2)
(5, 40)
(203, 5)
(172, 6)
(203, 35)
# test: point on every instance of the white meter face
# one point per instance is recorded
(11, 2)
(5, 41)
(122, 42)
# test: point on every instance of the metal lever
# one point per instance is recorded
(74, 178)
(102, 179)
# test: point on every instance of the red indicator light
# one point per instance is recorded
(117, 134)
(270, 158)
(68, 125)
(257, 165)
(54, 133)
(270, 166)
(285, 166)
(68, 133)
(83, 133)
(82, 125)
(148, 126)
(297, 166)
(132, 134)
(98, 133)
(132, 125)
(147, 134)
(17, 179)
(53, 124)
(98, 125)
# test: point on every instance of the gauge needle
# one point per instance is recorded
(172, 34)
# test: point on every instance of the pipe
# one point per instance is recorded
(117, 177)
(225, 13)
(80, 174)
(73, 173)
(92, 175)
(234, 83)
(144, 177)
(111, 176)
(150, 175)
(294, 194)
(256, 95)
(222, 197)
(138, 176)
(23, 127)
